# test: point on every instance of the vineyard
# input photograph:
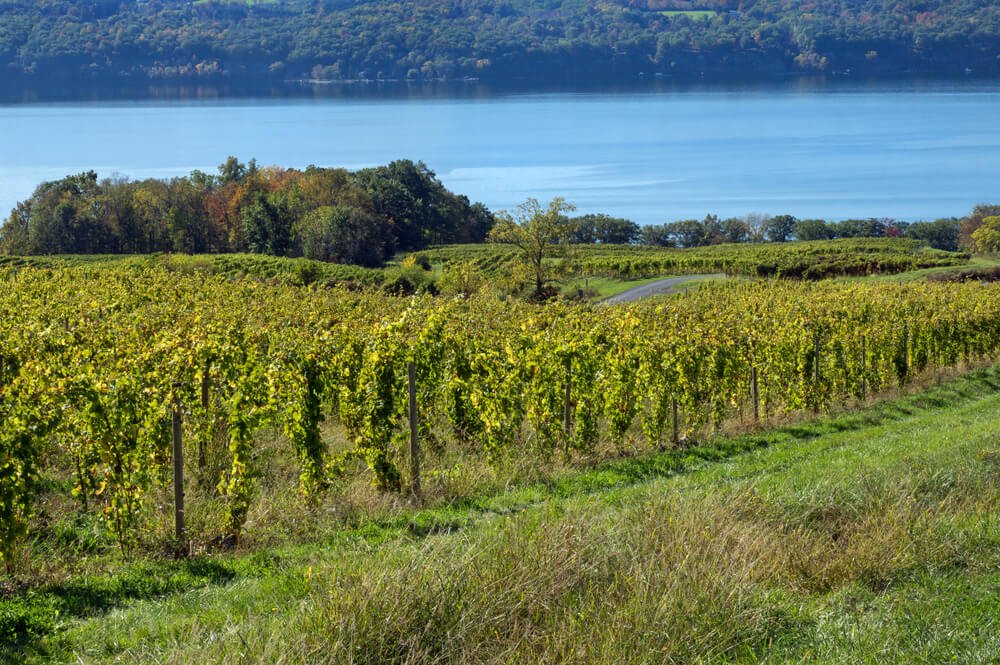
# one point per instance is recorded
(96, 366)
(298, 271)
(801, 260)
(496, 262)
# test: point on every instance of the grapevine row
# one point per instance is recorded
(91, 363)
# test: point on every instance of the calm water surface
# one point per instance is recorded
(909, 152)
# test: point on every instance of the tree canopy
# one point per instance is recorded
(332, 214)
(497, 40)
(987, 236)
(605, 230)
(540, 233)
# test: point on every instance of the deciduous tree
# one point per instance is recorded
(540, 233)
(987, 236)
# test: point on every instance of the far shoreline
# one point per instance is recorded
(22, 90)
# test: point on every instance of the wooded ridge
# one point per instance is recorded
(492, 40)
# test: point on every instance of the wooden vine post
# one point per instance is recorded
(411, 371)
(675, 435)
(816, 405)
(178, 459)
(206, 383)
(567, 400)
(816, 357)
(906, 352)
(864, 369)
(755, 394)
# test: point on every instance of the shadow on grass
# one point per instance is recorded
(39, 612)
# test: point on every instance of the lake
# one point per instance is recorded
(903, 150)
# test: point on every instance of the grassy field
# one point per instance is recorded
(599, 288)
(872, 536)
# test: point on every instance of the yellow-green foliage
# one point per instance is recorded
(987, 236)
(93, 360)
(801, 260)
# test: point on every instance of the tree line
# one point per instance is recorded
(366, 216)
(949, 233)
(497, 40)
(331, 214)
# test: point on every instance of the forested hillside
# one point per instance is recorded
(494, 40)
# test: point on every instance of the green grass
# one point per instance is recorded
(695, 281)
(599, 288)
(872, 536)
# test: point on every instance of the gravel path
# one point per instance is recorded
(657, 288)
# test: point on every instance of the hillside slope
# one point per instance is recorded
(495, 40)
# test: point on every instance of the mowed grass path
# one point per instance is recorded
(872, 537)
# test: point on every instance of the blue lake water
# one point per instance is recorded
(889, 150)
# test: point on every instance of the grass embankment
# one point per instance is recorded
(869, 537)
